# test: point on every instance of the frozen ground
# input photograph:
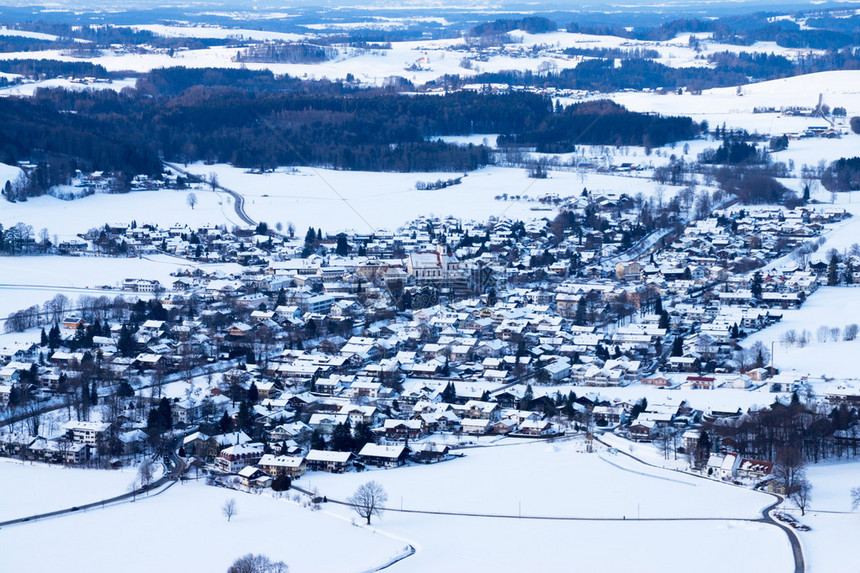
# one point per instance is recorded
(832, 307)
(513, 546)
(183, 528)
(437, 57)
(31, 488)
(556, 475)
(717, 399)
(553, 479)
(25, 281)
(29, 88)
(366, 201)
(829, 546)
(65, 219)
(8, 173)
(557, 479)
(724, 105)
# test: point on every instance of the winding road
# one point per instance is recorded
(238, 200)
(766, 518)
(796, 549)
(175, 469)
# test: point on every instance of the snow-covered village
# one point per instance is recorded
(421, 288)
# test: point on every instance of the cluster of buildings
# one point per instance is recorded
(440, 327)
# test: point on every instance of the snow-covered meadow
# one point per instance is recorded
(829, 545)
(66, 219)
(439, 57)
(724, 105)
(183, 528)
(562, 481)
(26, 281)
(30, 488)
(367, 201)
(559, 479)
(829, 307)
(533, 478)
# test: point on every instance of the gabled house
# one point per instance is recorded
(293, 466)
(399, 430)
(234, 458)
(325, 461)
(384, 456)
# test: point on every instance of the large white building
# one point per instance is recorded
(434, 266)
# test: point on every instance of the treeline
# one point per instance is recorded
(769, 66)
(18, 240)
(105, 36)
(842, 175)
(367, 131)
(35, 130)
(532, 25)
(815, 432)
(604, 76)
(822, 33)
(287, 53)
(53, 68)
(174, 81)
(788, 35)
(734, 152)
(315, 123)
(848, 25)
(602, 123)
(642, 73)
(617, 53)
(24, 44)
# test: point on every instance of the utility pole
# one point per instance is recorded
(771, 358)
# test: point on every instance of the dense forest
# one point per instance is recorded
(817, 433)
(287, 53)
(642, 73)
(601, 122)
(842, 175)
(822, 32)
(308, 123)
(532, 25)
(96, 37)
(41, 69)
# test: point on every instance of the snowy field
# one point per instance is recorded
(513, 546)
(29, 88)
(366, 201)
(437, 57)
(832, 307)
(724, 105)
(557, 479)
(553, 479)
(717, 399)
(65, 219)
(201, 539)
(31, 488)
(25, 281)
(829, 546)
(557, 475)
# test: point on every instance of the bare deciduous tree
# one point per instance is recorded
(229, 509)
(855, 497)
(251, 563)
(789, 469)
(145, 472)
(191, 199)
(802, 494)
(368, 499)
